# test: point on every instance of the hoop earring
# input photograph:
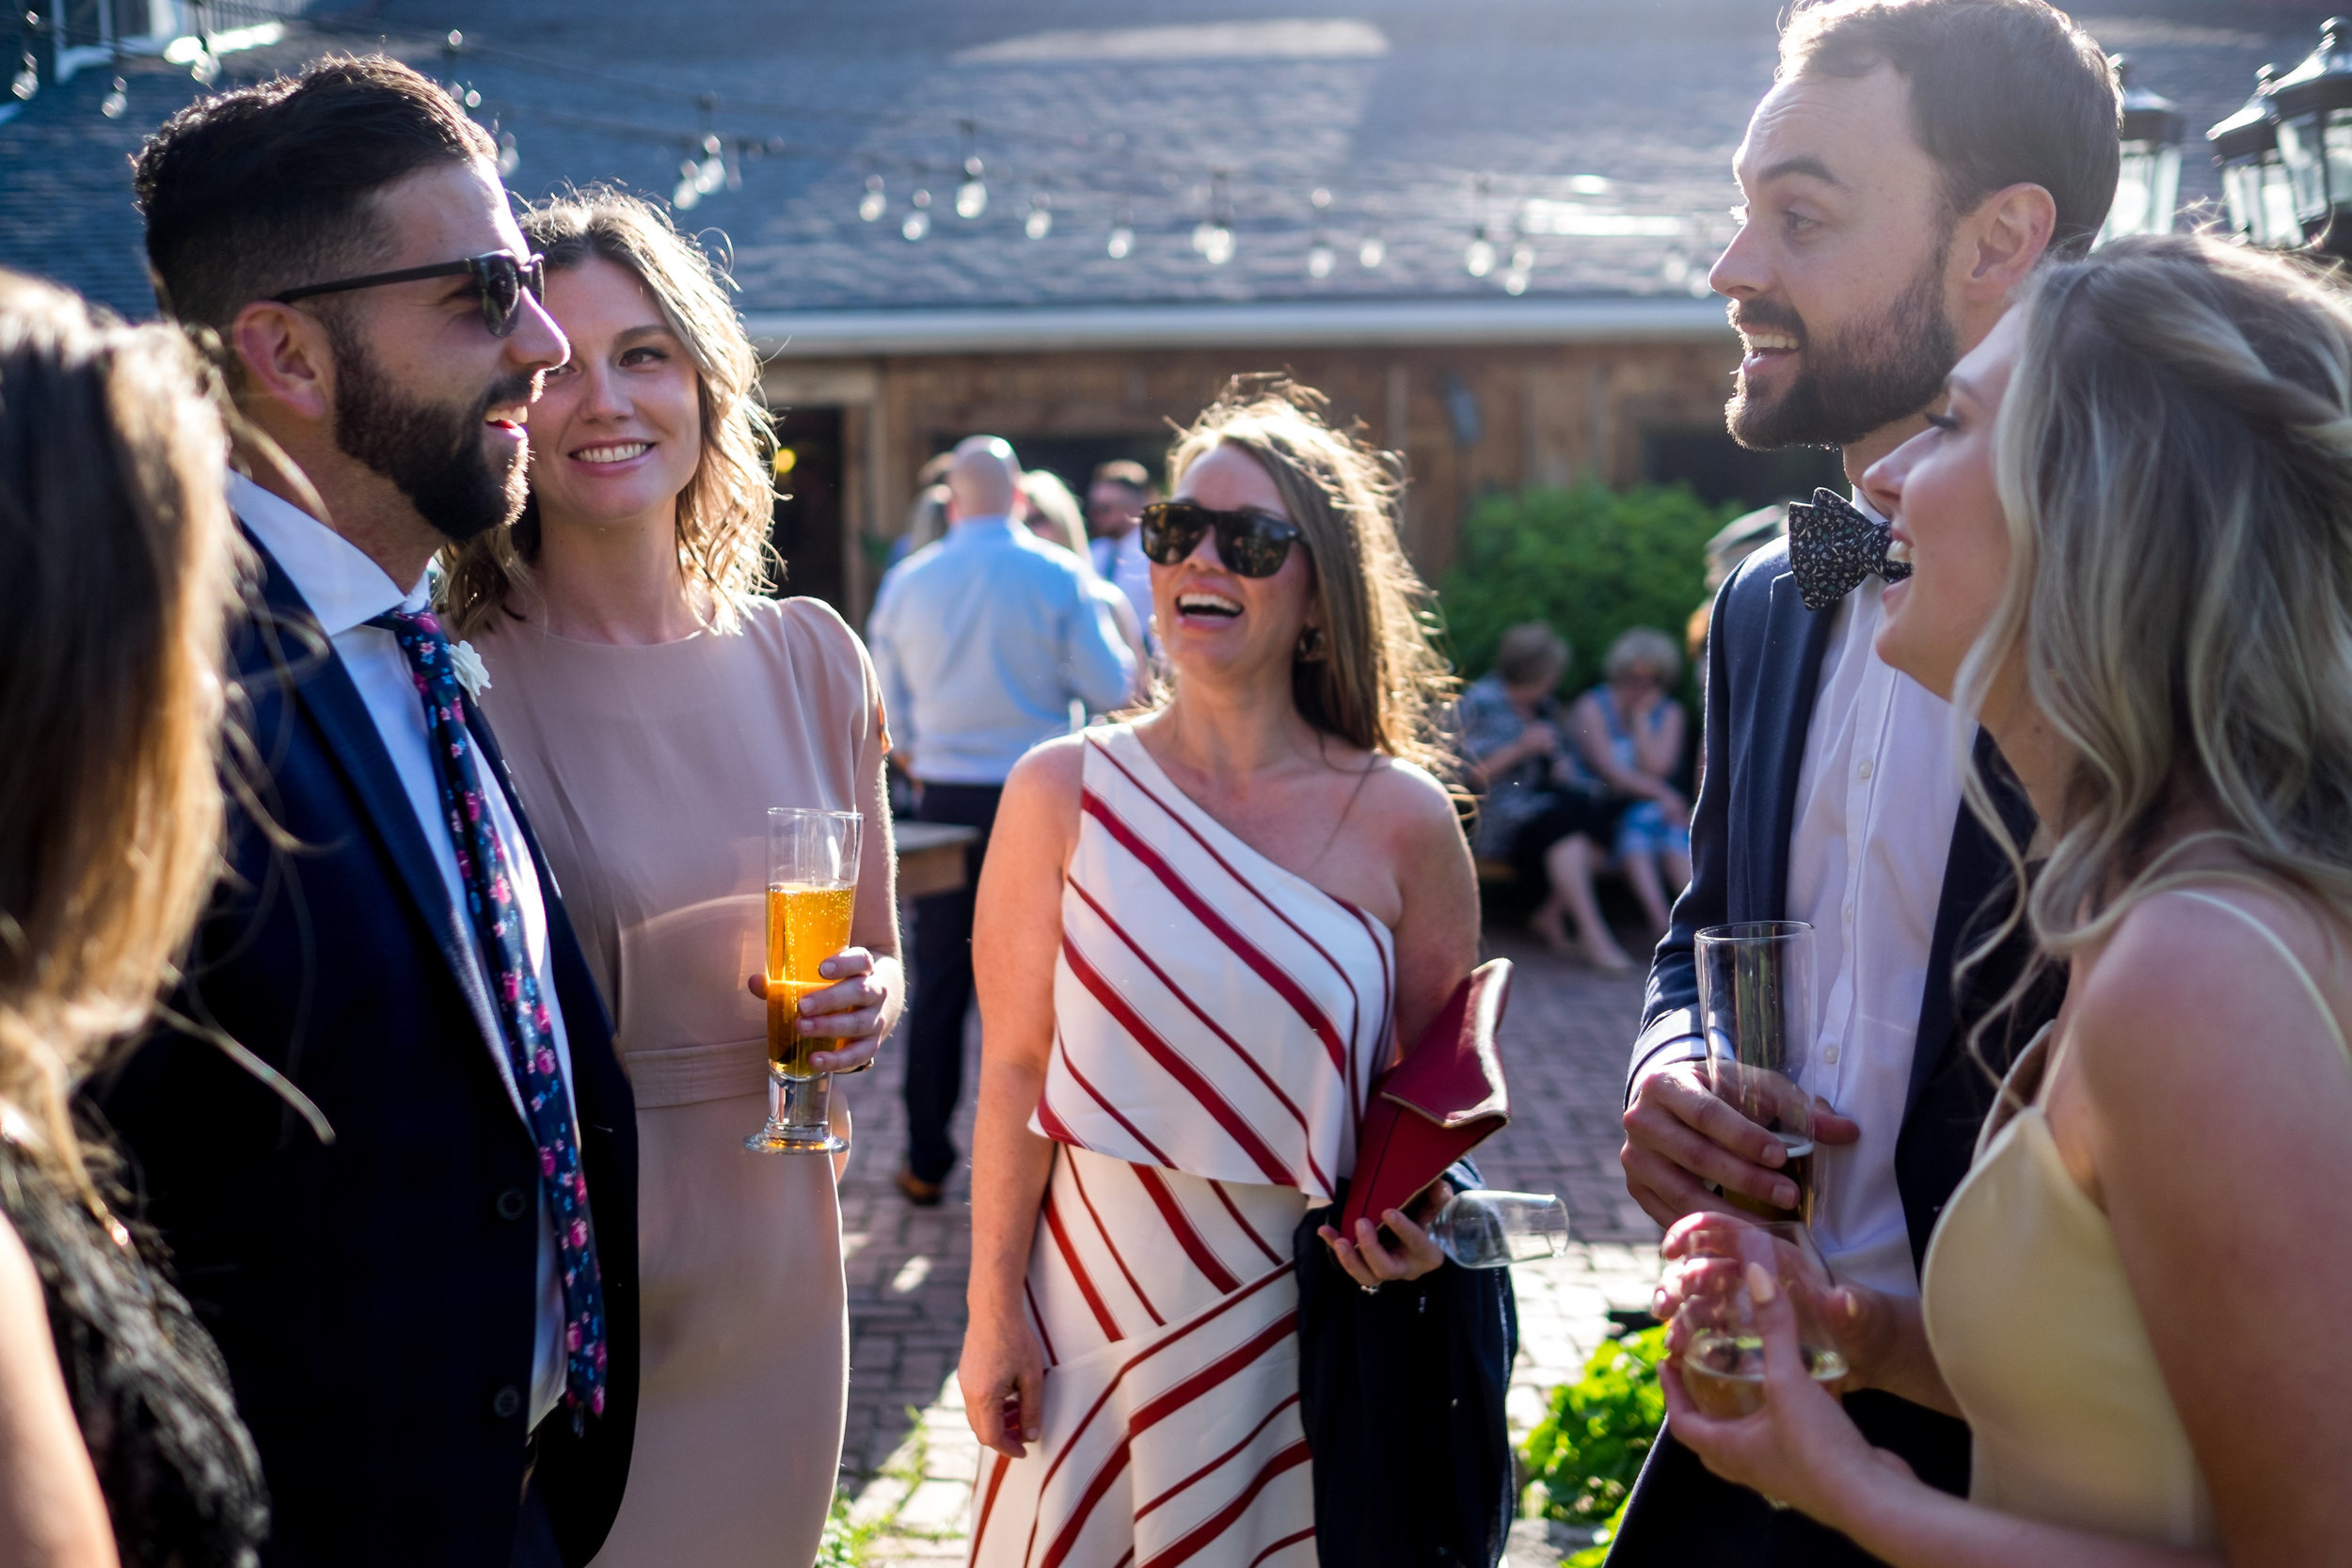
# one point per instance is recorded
(1311, 648)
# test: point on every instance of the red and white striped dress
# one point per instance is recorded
(1217, 1021)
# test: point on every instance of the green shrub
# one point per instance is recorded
(1591, 561)
(1581, 1461)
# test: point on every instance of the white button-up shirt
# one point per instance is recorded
(345, 589)
(1877, 797)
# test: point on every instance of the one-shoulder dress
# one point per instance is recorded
(1218, 1020)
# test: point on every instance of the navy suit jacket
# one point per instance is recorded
(376, 1296)
(1764, 656)
(1763, 672)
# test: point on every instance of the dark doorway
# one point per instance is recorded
(809, 516)
(1717, 469)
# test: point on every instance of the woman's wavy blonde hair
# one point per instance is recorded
(117, 567)
(726, 510)
(1379, 681)
(2174, 456)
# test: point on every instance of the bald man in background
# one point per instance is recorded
(986, 644)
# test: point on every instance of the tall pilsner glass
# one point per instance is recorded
(1756, 1006)
(812, 890)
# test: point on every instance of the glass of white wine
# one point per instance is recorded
(1757, 1009)
(1718, 1347)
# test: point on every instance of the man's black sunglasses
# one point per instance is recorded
(501, 278)
(1252, 544)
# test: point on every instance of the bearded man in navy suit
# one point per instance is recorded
(385, 1136)
(1913, 162)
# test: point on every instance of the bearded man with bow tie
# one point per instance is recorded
(1911, 164)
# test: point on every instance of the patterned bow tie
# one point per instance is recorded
(1833, 547)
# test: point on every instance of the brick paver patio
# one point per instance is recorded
(908, 1456)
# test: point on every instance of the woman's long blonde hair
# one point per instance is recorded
(118, 566)
(1379, 681)
(727, 509)
(2174, 456)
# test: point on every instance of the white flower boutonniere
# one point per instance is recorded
(467, 667)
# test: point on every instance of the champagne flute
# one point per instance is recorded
(1719, 1349)
(812, 892)
(1757, 1008)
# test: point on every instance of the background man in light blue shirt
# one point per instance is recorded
(986, 644)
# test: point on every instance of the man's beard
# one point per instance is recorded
(1869, 375)
(432, 453)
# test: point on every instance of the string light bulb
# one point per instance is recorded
(918, 222)
(1321, 258)
(1478, 257)
(1040, 220)
(1515, 283)
(510, 156)
(1122, 238)
(27, 79)
(689, 194)
(205, 67)
(1219, 249)
(972, 196)
(712, 171)
(873, 204)
(1373, 251)
(118, 100)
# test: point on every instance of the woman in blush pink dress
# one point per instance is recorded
(654, 707)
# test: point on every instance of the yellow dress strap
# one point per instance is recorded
(2310, 987)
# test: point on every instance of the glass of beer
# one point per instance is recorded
(1718, 1349)
(812, 890)
(1757, 1009)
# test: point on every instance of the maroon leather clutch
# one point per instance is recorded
(1440, 1101)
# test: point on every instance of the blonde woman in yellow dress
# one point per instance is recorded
(2127, 528)
(654, 707)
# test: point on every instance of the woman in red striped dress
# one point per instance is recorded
(1200, 936)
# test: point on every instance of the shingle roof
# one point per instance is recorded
(1605, 130)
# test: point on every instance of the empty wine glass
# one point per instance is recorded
(1484, 1230)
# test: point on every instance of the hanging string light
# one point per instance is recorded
(918, 221)
(873, 204)
(1522, 264)
(1321, 258)
(118, 100)
(1122, 238)
(972, 196)
(1478, 257)
(1213, 236)
(689, 194)
(27, 79)
(1373, 251)
(1040, 219)
(510, 156)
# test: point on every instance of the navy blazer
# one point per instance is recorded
(376, 1296)
(1764, 656)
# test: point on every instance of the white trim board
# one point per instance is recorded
(1365, 323)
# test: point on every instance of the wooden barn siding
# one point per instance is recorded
(1551, 415)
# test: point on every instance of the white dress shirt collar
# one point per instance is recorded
(335, 578)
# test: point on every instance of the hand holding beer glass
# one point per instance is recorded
(812, 893)
(1757, 1010)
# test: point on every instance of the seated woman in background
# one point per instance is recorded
(116, 572)
(654, 707)
(1550, 824)
(1629, 735)
(2127, 527)
(1201, 936)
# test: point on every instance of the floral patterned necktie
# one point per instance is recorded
(485, 866)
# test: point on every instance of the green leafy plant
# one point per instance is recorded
(1580, 1462)
(1591, 561)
